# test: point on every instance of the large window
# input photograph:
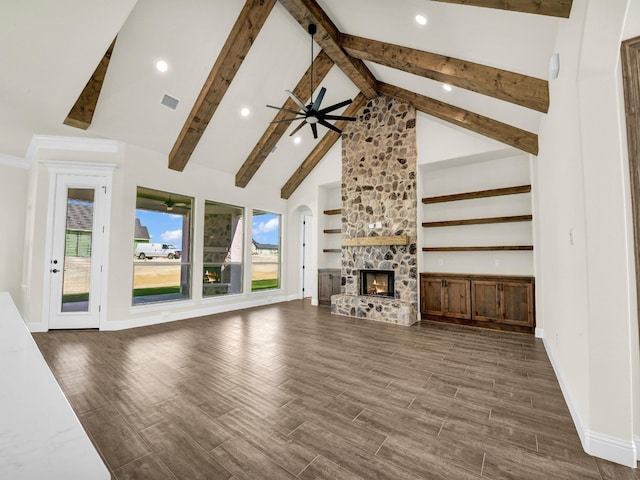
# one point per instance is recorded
(222, 249)
(265, 254)
(161, 247)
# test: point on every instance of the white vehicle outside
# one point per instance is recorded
(150, 250)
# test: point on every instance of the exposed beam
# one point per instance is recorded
(244, 32)
(512, 87)
(321, 149)
(81, 114)
(328, 37)
(499, 131)
(554, 8)
(321, 66)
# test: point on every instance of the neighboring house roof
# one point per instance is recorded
(264, 246)
(141, 232)
(79, 217)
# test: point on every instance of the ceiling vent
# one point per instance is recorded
(169, 101)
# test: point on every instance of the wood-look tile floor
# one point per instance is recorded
(290, 391)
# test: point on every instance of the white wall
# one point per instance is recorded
(141, 167)
(13, 201)
(484, 171)
(310, 195)
(581, 185)
(632, 30)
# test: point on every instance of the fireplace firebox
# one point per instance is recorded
(377, 283)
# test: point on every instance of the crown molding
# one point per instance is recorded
(13, 161)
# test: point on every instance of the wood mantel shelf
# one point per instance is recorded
(376, 241)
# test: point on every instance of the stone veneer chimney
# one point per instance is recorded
(379, 188)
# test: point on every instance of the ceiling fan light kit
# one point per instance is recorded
(312, 114)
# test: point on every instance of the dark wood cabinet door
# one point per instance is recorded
(457, 298)
(328, 284)
(489, 301)
(517, 303)
(432, 296)
(485, 298)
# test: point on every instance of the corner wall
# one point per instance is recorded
(13, 210)
(584, 276)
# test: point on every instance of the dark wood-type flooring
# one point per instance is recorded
(290, 391)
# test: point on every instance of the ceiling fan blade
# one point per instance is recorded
(297, 100)
(314, 129)
(329, 126)
(288, 110)
(302, 124)
(284, 120)
(335, 107)
(339, 117)
(316, 104)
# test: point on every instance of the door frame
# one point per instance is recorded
(79, 169)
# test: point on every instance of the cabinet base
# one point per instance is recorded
(478, 324)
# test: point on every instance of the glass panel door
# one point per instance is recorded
(76, 275)
(77, 242)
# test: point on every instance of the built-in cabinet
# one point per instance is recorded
(445, 297)
(329, 280)
(493, 301)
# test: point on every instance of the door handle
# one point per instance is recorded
(55, 270)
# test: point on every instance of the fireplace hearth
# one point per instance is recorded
(377, 283)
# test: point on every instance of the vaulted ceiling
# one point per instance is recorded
(224, 55)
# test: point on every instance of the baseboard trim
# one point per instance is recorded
(594, 443)
(162, 316)
(539, 332)
(612, 449)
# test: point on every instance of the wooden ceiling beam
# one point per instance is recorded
(553, 8)
(81, 114)
(512, 87)
(328, 37)
(321, 66)
(244, 32)
(321, 149)
(508, 134)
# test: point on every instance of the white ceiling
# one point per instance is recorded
(48, 50)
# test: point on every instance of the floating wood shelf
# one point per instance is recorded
(479, 221)
(477, 249)
(496, 192)
(332, 230)
(382, 240)
(332, 250)
(336, 211)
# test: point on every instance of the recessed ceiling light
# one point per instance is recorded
(245, 112)
(446, 87)
(421, 19)
(162, 66)
(297, 140)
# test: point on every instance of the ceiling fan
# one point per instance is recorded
(169, 203)
(312, 114)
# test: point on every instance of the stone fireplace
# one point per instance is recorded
(379, 210)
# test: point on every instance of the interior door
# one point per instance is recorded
(77, 251)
